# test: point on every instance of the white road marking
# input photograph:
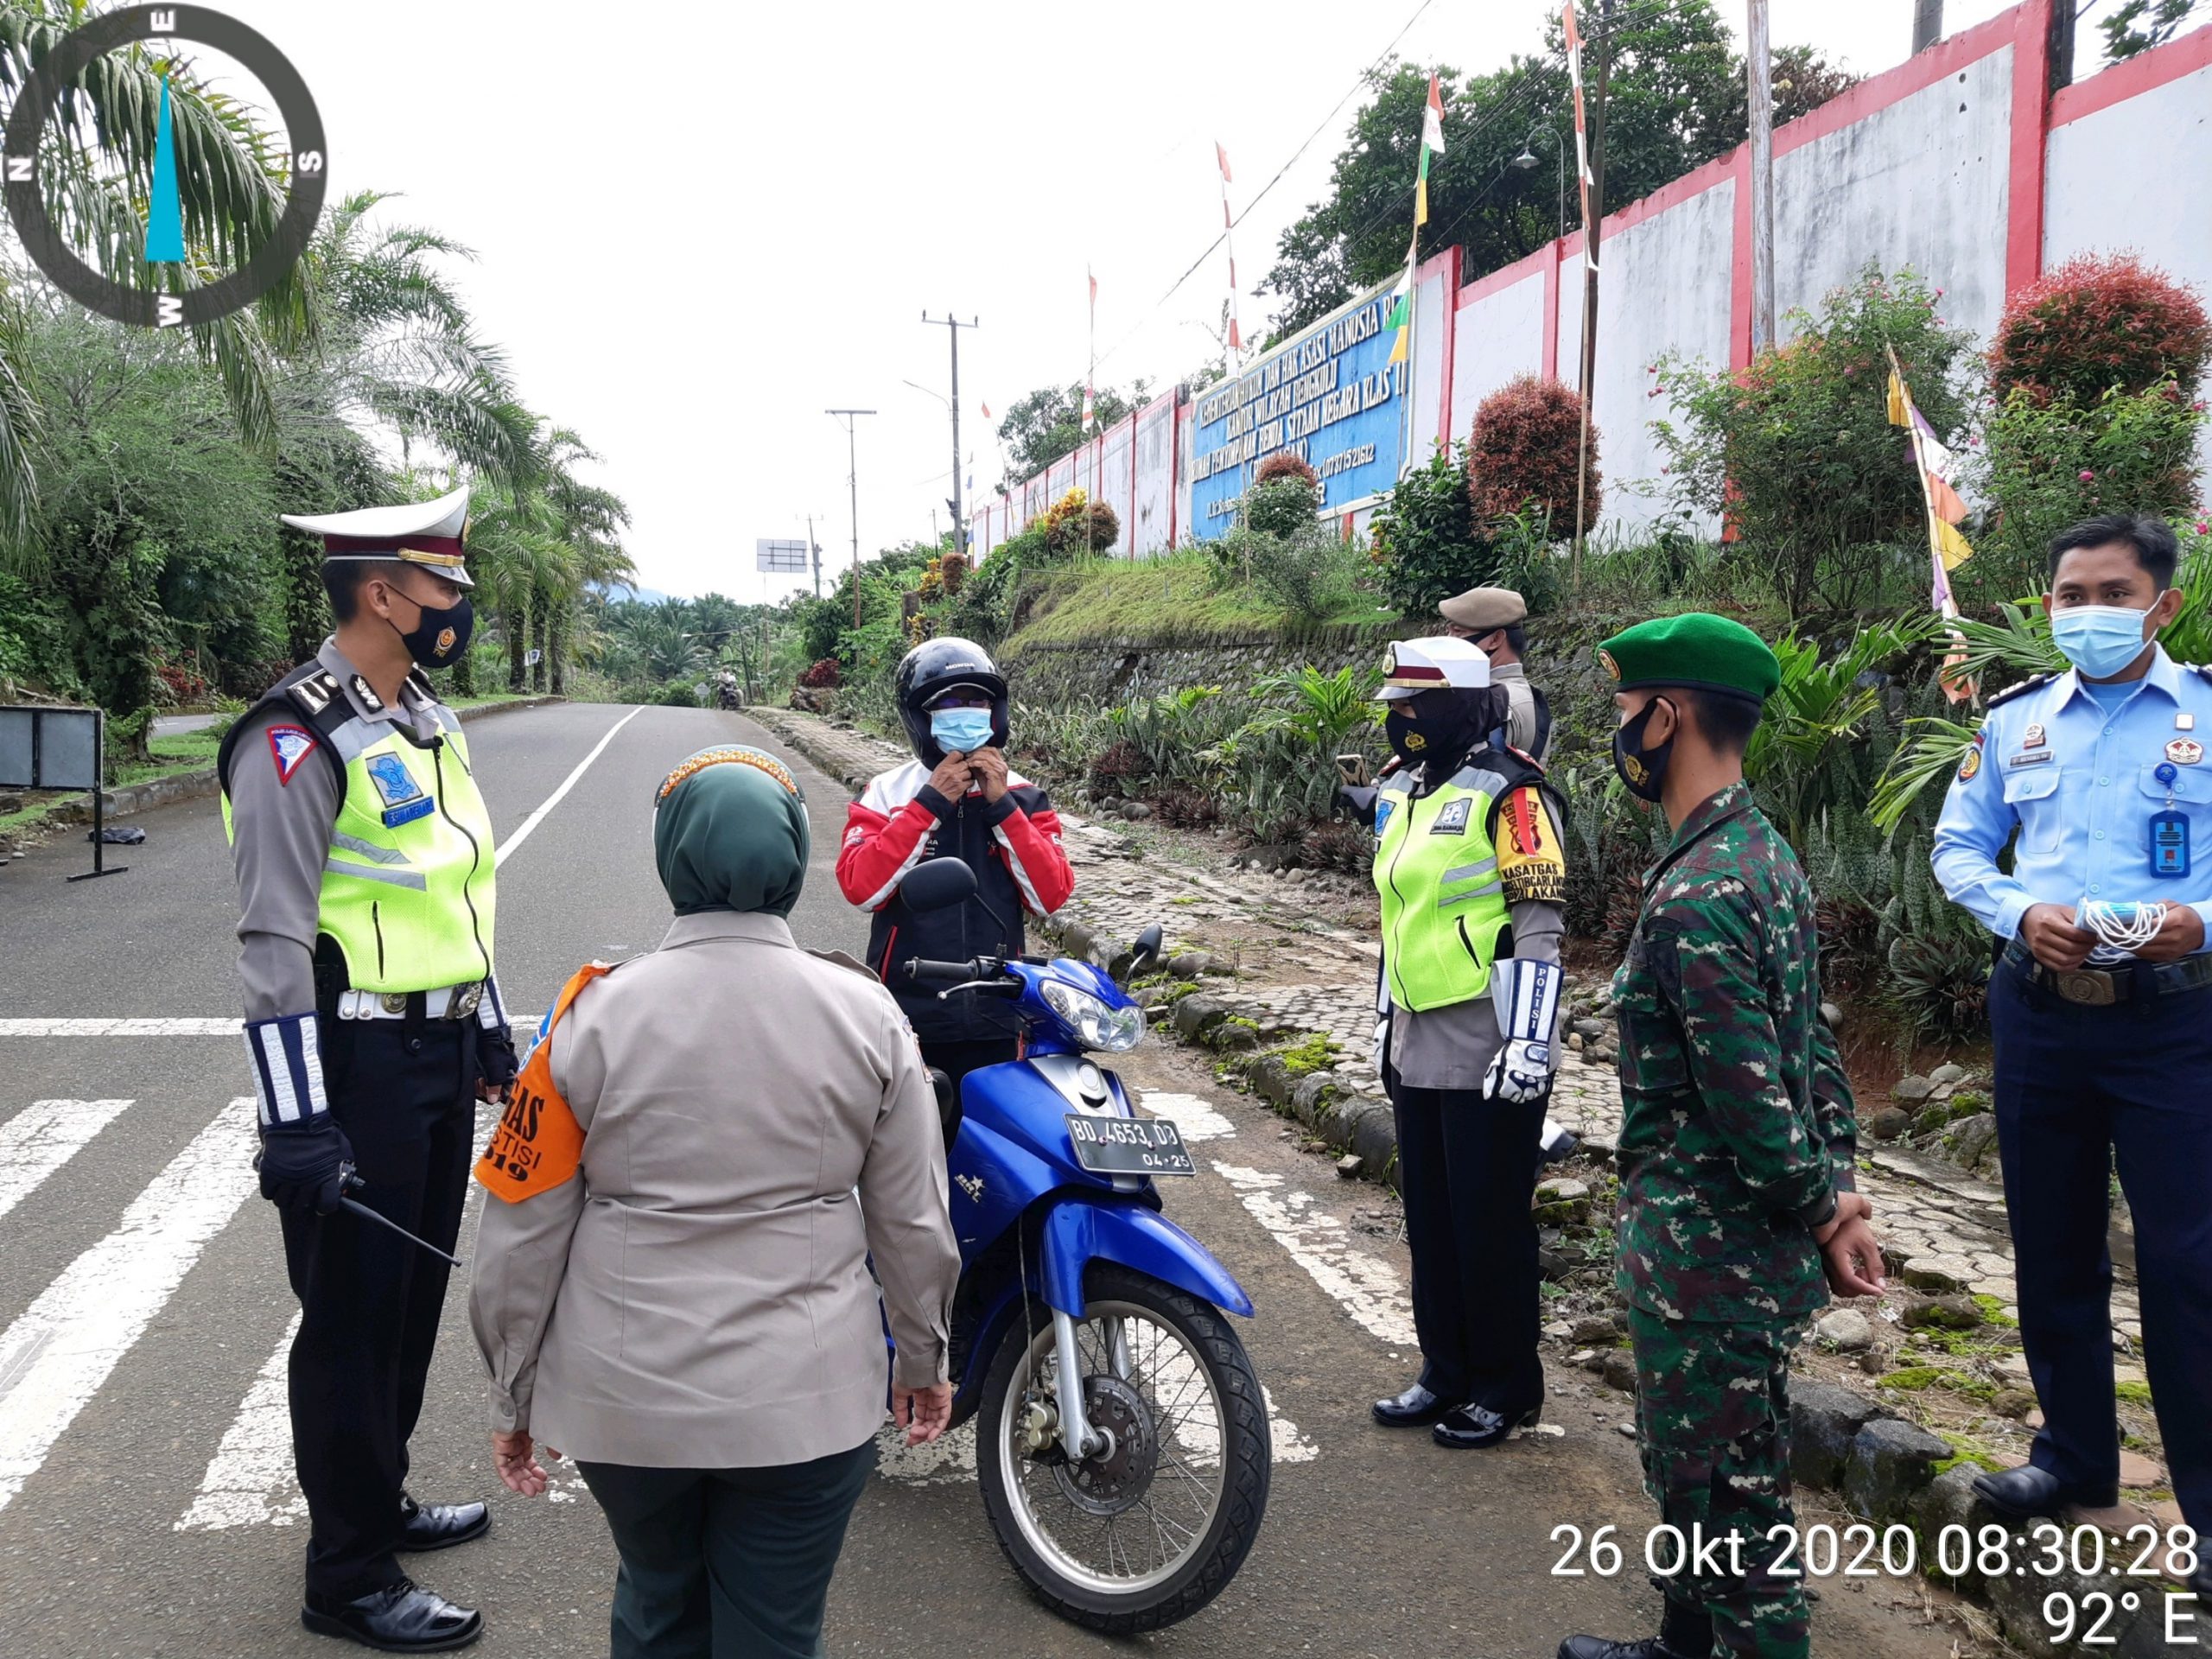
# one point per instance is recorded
(43, 1136)
(522, 833)
(949, 1460)
(54, 1357)
(119, 1027)
(250, 1481)
(1195, 1119)
(1366, 1287)
(1289, 1446)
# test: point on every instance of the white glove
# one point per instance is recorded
(1526, 995)
(1521, 1072)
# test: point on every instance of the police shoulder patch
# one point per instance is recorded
(2034, 682)
(1970, 763)
(288, 747)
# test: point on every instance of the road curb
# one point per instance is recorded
(128, 799)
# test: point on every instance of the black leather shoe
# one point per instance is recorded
(1415, 1408)
(439, 1526)
(1468, 1428)
(2029, 1493)
(402, 1618)
(1596, 1647)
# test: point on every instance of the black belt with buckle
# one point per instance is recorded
(2099, 988)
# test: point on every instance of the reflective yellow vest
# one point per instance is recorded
(1436, 868)
(408, 890)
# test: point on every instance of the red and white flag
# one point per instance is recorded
(1573, 30)
(1222, 155)
(1228, 224)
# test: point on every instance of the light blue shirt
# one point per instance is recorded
(2078, 781)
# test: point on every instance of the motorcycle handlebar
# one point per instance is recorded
(952, 972)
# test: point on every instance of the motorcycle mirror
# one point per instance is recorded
(1148, 949)
(938, 884)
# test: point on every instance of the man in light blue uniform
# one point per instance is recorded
(2101, 1007)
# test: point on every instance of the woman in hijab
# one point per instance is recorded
(674, 1283)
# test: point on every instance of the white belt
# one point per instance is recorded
(446, 1002)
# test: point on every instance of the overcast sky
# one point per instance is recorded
(700, 225)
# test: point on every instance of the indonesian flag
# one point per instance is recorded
(1228, 224)
(1086, 407)
(1573, 29)
(1222, 155)
(1946, 548)
(1431, 143)
(987, 411)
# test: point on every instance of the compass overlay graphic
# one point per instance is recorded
(147, 307)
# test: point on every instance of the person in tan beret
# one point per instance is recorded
(1491, 618)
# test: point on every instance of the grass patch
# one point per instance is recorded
(2131, 1394)
(1164, 600)
(1993, 1312)
(1313, 1054)
(1914, 1379)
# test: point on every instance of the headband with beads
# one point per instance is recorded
(736, 756)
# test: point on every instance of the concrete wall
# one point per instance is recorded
(1153, 527)
(1954, 163)
(1497, 334)
(1924, 182)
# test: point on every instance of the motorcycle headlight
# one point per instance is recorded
(1095, 1025)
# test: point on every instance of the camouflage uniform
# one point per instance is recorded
(1737, 1132)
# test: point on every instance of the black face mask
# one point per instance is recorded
(439, 636)
(1643, 769)
(1451, 724)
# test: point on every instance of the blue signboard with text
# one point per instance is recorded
(1329, 394)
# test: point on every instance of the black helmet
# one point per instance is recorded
(935, 667)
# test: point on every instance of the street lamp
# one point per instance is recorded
(1528, 158)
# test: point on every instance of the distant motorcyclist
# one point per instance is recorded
(958, 799)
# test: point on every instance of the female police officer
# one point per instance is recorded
(1471, 875)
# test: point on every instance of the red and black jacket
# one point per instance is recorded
(1012, 846)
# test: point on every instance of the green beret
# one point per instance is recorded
(1697, 650)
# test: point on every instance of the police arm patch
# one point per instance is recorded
(1531, 864)
(1970, 763)
(288, 747)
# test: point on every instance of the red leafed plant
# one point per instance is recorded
(1283, 464)
(824, 672)
(1523, 448)
(2097, 322)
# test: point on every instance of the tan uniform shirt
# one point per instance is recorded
(698, 1296)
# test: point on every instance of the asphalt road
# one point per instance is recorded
(146, 1506)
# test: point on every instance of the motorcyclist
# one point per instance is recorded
(957, 798)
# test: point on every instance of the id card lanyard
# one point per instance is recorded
(2169, 831)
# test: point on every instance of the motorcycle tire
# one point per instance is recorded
(1247, 1457)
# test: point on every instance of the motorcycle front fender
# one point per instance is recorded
(1077, 1231)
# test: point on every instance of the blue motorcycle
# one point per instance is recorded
(1122, 1436)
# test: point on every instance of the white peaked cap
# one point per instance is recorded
(1437, 663)
(427, 533)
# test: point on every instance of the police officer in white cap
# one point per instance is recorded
(1472, 873)
(1493, 618)
(374, 1024)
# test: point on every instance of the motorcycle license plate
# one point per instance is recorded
(1128, 1146)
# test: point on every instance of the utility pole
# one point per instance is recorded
(1927, 24)
(814, 549)
(1592, 230)
(959, 520)
(1759, 68)
(851, 419)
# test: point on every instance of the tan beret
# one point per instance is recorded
(1485, 609)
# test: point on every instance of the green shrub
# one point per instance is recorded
(1522, 455)
(677, 695)
(1309, 571)
(1283, 507)
(1426, 547)
(2098, 323)
(1796, 450)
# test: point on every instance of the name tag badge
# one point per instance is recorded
(2168, 844)
(2030, 758)
(1452, 820)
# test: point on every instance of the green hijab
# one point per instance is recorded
(730, 833)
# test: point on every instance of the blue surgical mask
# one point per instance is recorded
(960, 731)
(2100, 641)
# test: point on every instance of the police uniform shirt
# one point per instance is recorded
(285, 805)
(1525, 728)
(2074, 768)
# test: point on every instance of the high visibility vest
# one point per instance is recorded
(409, 889)
(1436, 870)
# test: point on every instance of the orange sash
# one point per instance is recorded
(538, 1145)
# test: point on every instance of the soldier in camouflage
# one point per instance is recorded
(1737, 1209)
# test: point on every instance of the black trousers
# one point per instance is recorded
(1467, 1172)
(2078, 1090)
(406, 1098)
(726, 1563)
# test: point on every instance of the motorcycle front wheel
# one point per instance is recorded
(1151, 1526)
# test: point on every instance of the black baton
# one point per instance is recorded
(347, 1178)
